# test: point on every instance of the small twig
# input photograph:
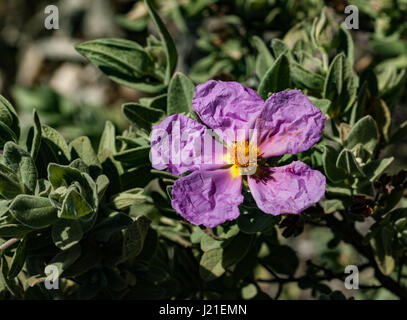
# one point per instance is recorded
(280, 290)
(366, 287)
(9, 243)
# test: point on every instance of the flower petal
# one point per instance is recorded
(288, 189)
(182, 144)
(289, 123)
(227, 107)
(208, 197)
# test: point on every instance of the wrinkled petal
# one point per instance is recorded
(182, 144)
(288, 189)
(289, 123)
(208, 197)
(227, 107)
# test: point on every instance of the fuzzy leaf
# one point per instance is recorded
(34, 212)
(276, 79)
(180, 94)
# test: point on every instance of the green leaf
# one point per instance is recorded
(322, 104)
(157, 102)
(75, 193)
(141, 116)
(168, 42)
(5, 115)
(35, 147)
(91, 255)
(9, 184)
(108, 226)
(14, 125)
(20, 162)
(10, 284)
(252, 223)
(134, 156)
(180, 93)
(56, 143)
(279, 48)
(346, 43)
(332, 205)
(346, 161)
(365, 132)
(210, 266)
(6, 134)
(66, 233)
(83, 148)
(107, 141)
(74, 206)
(64, 259)
(18, 260)
(209, 243)
(276, 79)
(249, 291)
(264, 59)
(382, 246)
(341, 85)
(102, 182)
(236, 249)
(329, 159)
(375, 168)
(34, 212)
(60, 175)
(134, 237)
(305, 78)
(13, 230)
(123, 61)
(128, 198)
(324, 30)
(288, 265)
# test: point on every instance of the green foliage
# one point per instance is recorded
(92, 207)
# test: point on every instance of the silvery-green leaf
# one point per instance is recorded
(21, 163)
(123, 61)
(276, 79)
(329, 158)
(134, 237)
(18, 260)
(66, 233)
(141, 116)
(14, 124)
(365, 132)
(9, 183)
(346, 161)
(64, 259)
(168, 42)
(210, 266)
(82, 146)
(264, 59)
(34, 212)
(341, 85)
(180, 94)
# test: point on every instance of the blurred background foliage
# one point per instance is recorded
(225, 40)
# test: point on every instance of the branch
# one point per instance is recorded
(9, 243)
(351, 236)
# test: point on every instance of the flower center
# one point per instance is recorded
(244, 156)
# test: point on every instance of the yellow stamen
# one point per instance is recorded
(244, 158)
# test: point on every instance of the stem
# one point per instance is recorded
(9, 243)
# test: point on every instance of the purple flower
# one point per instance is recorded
(286, 123)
